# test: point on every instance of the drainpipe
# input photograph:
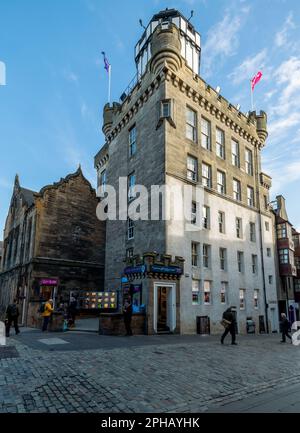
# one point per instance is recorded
(261, 242)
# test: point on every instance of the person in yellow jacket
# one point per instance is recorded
(48, 310)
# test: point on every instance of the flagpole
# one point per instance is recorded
(109, 83)
(251, 91)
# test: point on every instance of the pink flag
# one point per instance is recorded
(256, 79)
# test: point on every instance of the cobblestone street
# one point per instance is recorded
(83, 372)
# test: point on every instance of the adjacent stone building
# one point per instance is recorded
(288, 265)
(54, 245)
(173, 129)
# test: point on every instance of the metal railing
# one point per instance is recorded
(129, 88)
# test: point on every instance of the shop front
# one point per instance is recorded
(152, 282)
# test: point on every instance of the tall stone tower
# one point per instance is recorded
(171, 128)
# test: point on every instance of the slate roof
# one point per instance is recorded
(28, 196)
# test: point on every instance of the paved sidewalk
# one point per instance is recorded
(92, 373)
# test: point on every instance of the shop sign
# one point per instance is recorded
(48, 282)
(174, 270)
(135, 269)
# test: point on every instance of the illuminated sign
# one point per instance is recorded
(48, 282)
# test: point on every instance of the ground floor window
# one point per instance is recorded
(207, 292)
(223, 292)
(256, 292)
(242, 299)
(195, 292)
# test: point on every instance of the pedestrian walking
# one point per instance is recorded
(285, 327)
(72, 310)
(127, 312)
(229, 322)
(12, 315)
(47, 313)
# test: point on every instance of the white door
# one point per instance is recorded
(170, 307)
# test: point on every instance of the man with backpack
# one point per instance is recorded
(46, 310)
(12, 314)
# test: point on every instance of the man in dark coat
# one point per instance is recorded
(285, 327)
(73, 310)
(12, 314)
(230, 317)
(127, 312)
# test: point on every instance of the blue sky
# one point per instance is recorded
(56, 86)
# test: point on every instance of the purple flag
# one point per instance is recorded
(106, 64)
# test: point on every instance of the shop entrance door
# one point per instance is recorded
(164, 311)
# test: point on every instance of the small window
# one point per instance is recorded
(223, 294)
(195, 248)
(206, 175)
(221, 216)
(205, 134)
(206, 217)
(206, 256)
(237, 194)
(222, 253)
(283, 256)
(240, 261)
(254, 264)
(103, 181)
(191, 122)
(250, 196)
(165, 109)
(220, 143)
(221, 182)
(252, 232)
(249, 162)
(129, 253)
(194, 213)
(131, 186)
(269, 252)
(235, 149)
(267, 226)
(270, 279)
(192, 168)
(207, 292)
(132, 141)
(130, 229)
(239, 228)
(281, 231)
(256, 297)
(242, 299)
(195, 292)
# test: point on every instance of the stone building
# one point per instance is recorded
(296, 240)
(171, 128)
(53, 245)
(288, 266)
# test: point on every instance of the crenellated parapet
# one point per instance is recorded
(154, 265)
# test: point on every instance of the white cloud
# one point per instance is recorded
(281, 38)
(249, 67)
(283, 124)
(288, 75)
(222, 39)
(83, 109)
(71, 76)
(282, 174)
